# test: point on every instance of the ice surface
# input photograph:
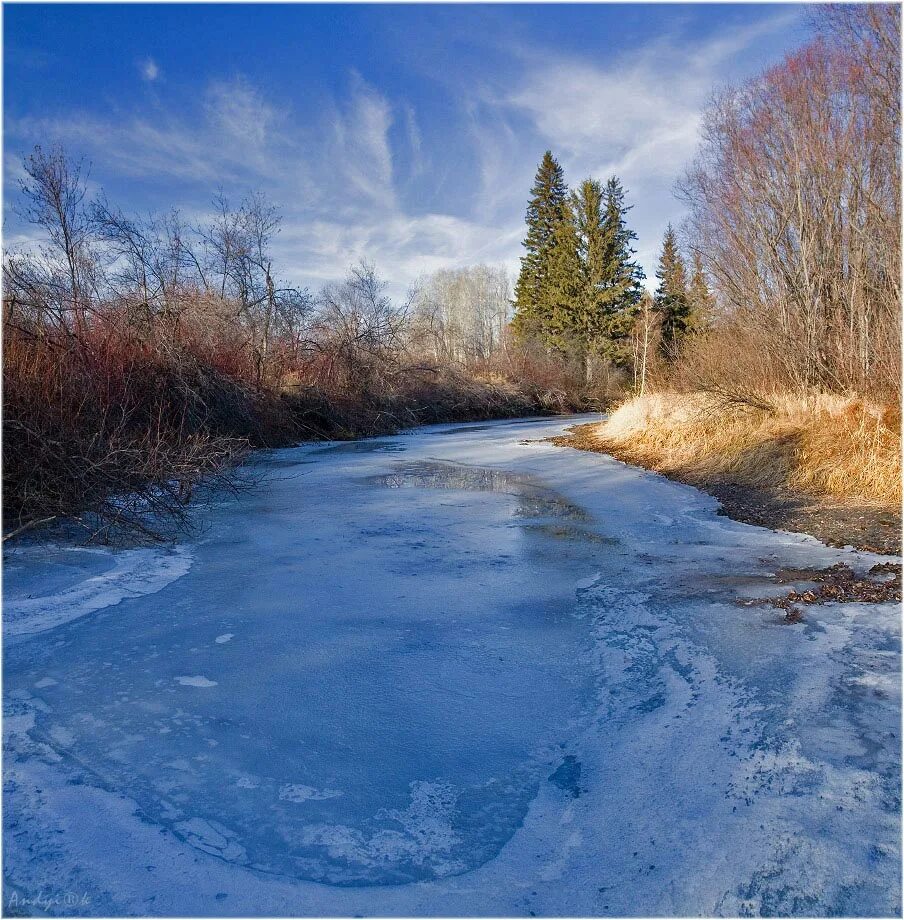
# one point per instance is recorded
(67, 582)
(457, 671)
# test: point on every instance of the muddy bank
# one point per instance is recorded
(835, 523)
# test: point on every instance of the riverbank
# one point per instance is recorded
(753, 461)
(121, 435)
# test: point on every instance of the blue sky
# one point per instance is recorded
(408, 135)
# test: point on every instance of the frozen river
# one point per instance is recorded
(456, 671)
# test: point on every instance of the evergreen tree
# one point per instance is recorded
(699, 295)
(621, 276)
(671, 298)
(594, 283)
(545, 211)
(563, 287)
(579, 285)
(591, 308)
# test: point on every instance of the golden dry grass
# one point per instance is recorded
(823, 444)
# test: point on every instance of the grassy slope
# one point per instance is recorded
(826, 465)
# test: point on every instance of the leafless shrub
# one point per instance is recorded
(144, 356)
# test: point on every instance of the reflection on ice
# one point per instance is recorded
(533, 498)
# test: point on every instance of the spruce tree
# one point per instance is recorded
(671, 298)
(622, 276)
(561, 328)
(579, 285)
(545, 212)
(591, 308)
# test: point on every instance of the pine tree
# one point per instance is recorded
(545, 211)
(672, 296)
(699, 296)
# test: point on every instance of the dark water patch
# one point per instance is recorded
(571, 533)
(567, 776)
(278, 463)
(462, 428)
(533, 420)
(534, 500)
(363, 447)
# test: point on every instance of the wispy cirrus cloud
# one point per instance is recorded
(360, 148)
(352, 179)
(640, 111)
(230, 135)
(335, 180)
(637, 116)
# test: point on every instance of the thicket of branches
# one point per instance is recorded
(143, 355)
(795, 210)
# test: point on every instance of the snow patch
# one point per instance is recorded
(197, 681)
(588, 582)
(135, 573)
(426, 838)
(62, 736)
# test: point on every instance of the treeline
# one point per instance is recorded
(790, 271)
(144, 355)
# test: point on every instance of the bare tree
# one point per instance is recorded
(360, 331)
(58, 281)
(795, 203)
(644, 340)
(239, 265)
(461, 314)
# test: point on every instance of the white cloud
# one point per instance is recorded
(343, 187)
(637, 116)
(506, 163)
(415, 141)
(240, 112)
(360, 143)
(133, 146)
(230, 137)
(604, 113)
(595, 116)
(403, 247)
(149, 70)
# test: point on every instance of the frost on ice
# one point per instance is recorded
(458, 671)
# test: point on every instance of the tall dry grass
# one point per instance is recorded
(825, 444)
